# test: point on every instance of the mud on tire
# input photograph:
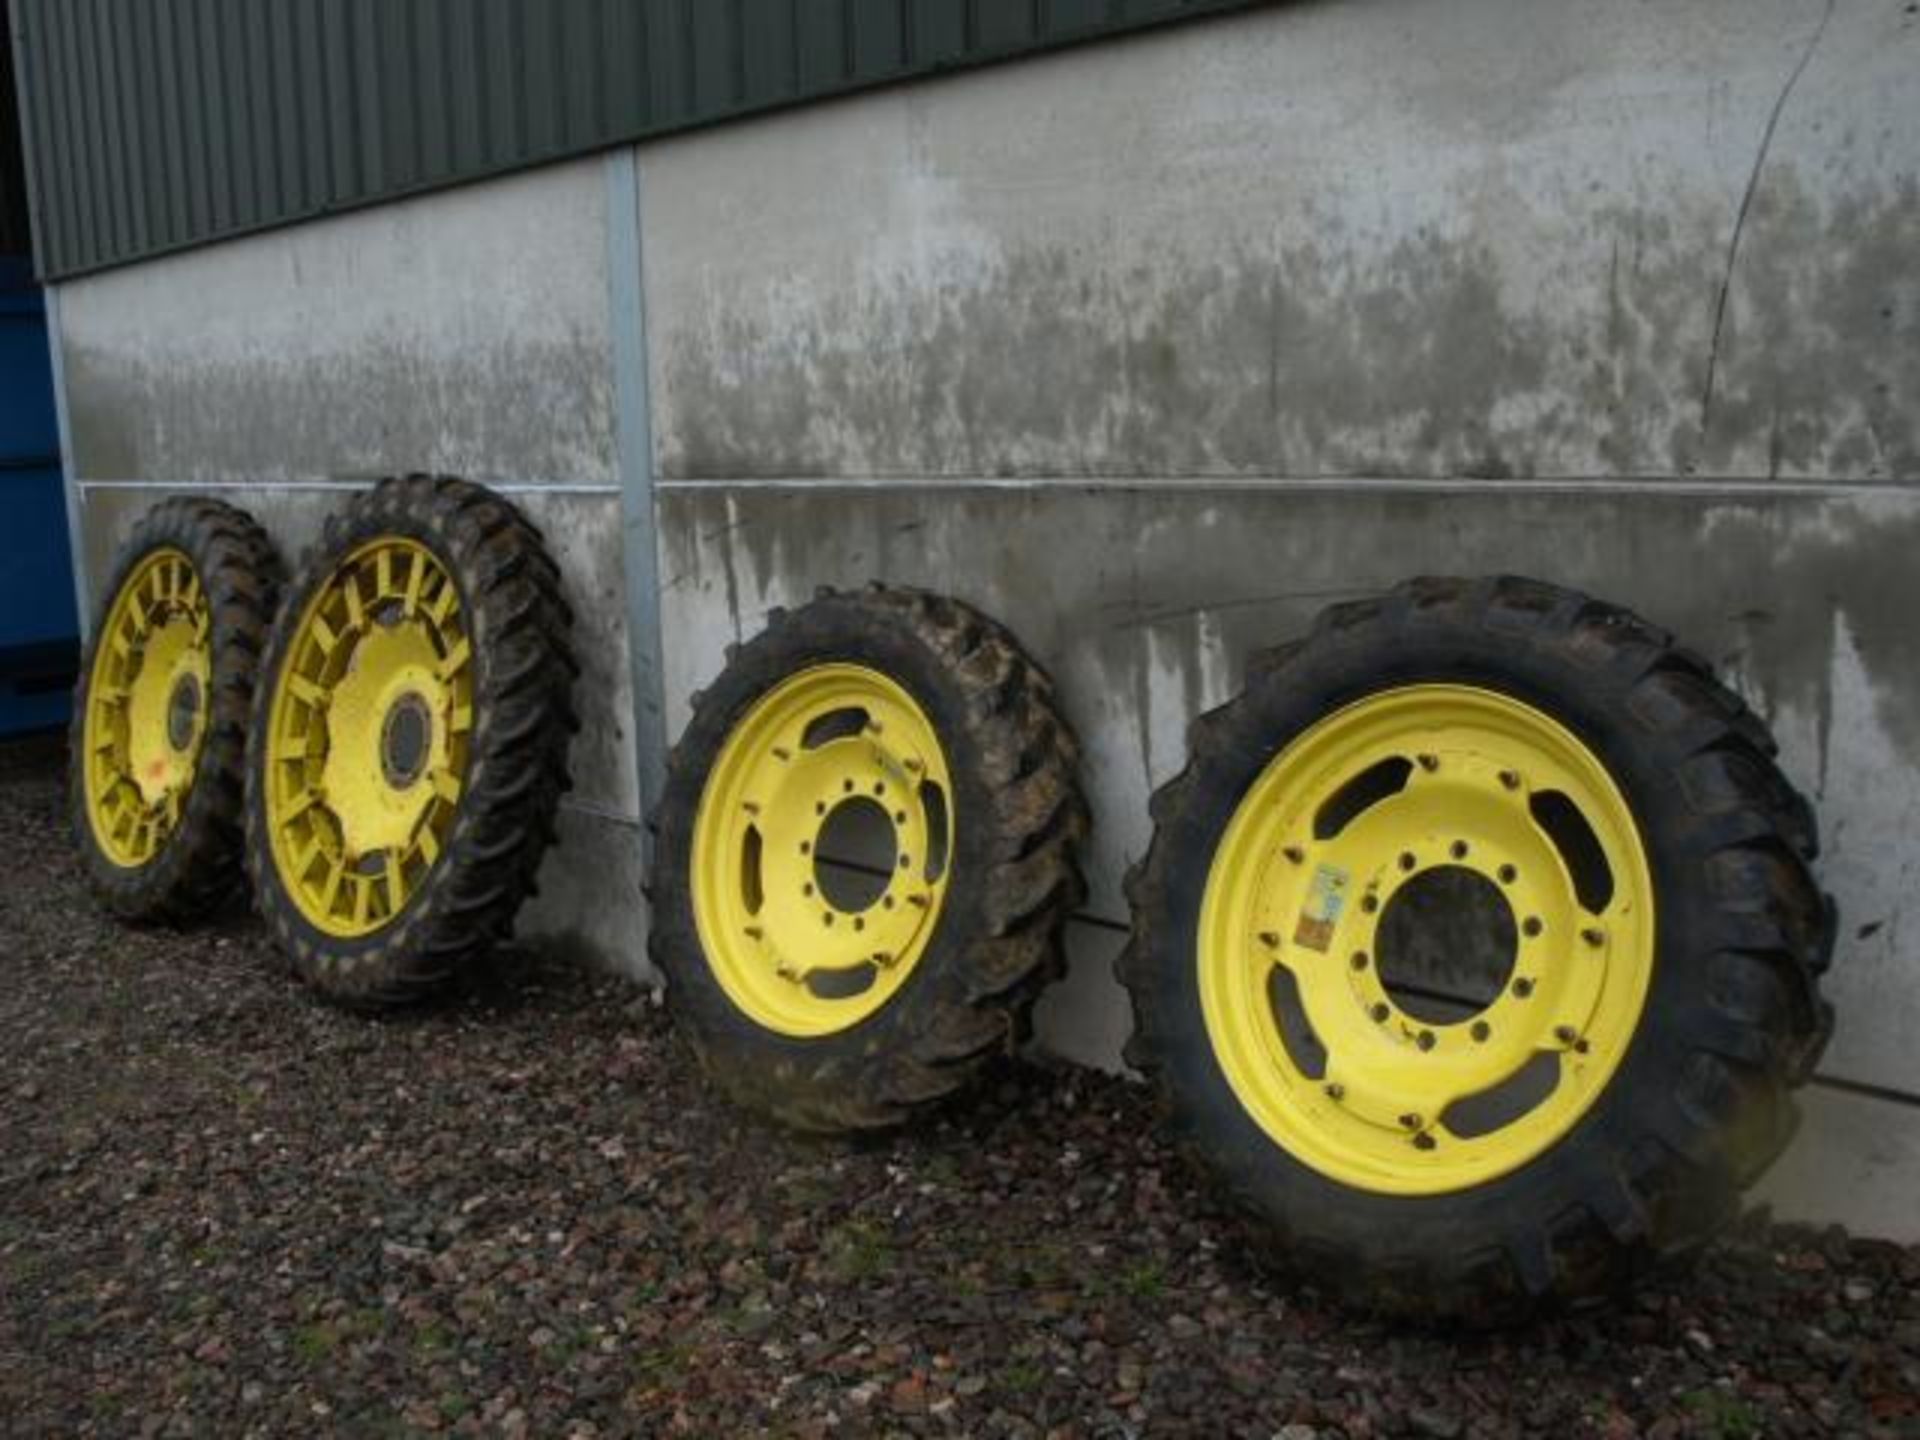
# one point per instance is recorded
(492, 735)
(1009, 881)
(195, 868)
(1699, 1103)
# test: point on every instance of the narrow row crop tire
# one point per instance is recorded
(519, 720)
(1013, 873)
(196, 868)
(1700, 1103)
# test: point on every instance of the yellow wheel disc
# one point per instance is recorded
(368, 737)
(1378, 799)
(809, 942)
(147, 701)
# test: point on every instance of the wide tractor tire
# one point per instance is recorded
(1569, 763)
(411, 736)
(159, 731)
(835, 1012)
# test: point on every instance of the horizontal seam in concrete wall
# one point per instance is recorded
(1865, 1089)
(1687, 488)
(505, 487)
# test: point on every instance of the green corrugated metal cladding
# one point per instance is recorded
(157, 124)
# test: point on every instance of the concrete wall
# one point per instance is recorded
(1155, 348)
(467, 334)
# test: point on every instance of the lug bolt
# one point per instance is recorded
(899, 817)
(847, 786)
(1533, 926)
(1508, 874)
(826, 917)
(806, 889)
(919, 902)
(881, 957)
(819, 807)
(780, 752)
(887, 900)
(1410, 1121)
(906, 862)
(1510, 779)
(1523, 987)
(858, 923)
(1269, 939)
(1380, 1013)
(1423, 1141)
(1481, 1030)
(1595, 938)
(1369, 903)
(1294, 854)
(1359, 960)
(1429, 763)
(1425, 1040)
(1566, 1034)
(879, 787)
(1458, 849)
(1407, 862)
(1336, 1092)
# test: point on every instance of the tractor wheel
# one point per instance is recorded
(159, 729)
(866, 853)
(1476, 950)
(410, 739)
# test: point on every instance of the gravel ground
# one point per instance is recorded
(226, 1210)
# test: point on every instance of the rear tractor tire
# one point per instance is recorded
(411, 740)
(1477, 951)
(867, 848)
(159, 732)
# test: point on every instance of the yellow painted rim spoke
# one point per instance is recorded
(368, 737)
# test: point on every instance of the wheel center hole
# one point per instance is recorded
(855, 854)
(183, 713)
(404, 741)
(1446, 945)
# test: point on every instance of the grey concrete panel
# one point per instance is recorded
(1145, 605)
(1483, 238)
(463, 332)
(590, 906)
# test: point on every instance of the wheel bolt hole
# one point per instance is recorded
(1481, 1030)
(1369, 903)
(1359, 960)
(1532, 926)
(1423, 1141)
(1407, 862)
(1425, 1040)
(1380, 1014)
(1508, 874)
(1458, 850)
(1523, 987)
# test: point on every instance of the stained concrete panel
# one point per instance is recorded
(1393, 238)
(464, 332)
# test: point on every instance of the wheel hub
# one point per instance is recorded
(406, 739)
(1341, 851)
(820, 849)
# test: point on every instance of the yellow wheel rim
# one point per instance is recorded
(146, 709)
(367, 743)
(804, 943)
(1376, 799)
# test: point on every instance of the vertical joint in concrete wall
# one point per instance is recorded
(69, 474)
(633, 428)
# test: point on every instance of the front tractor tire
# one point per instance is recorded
(410, 740)
(866, 853)
(159, 733)
(1476, 952)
